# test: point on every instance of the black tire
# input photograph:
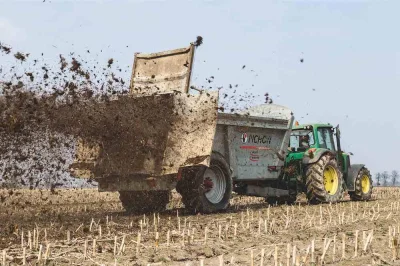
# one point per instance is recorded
(359, 193)
(316, 189)
(193, 188)
(144, 201)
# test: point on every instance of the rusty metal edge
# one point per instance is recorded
(133, 73)
(163, 53)
(192, 47)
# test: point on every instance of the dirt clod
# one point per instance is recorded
(20, 56)
(110, 62)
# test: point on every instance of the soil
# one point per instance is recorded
(83, 212)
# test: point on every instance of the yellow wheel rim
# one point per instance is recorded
(331, 180)
(365, 184)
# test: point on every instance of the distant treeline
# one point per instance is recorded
(385, 179)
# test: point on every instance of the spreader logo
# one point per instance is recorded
(256, 139)
(245, 138)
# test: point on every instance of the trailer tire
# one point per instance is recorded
(324, 181)
(207, 189)
(363, 186)
(144, 201)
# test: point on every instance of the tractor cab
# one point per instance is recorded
(315, 136)
(312, 137)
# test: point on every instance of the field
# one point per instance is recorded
(84, 227)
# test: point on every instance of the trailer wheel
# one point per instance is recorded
(363, 186)
(207, 189)
(324, 181)
(144, 201)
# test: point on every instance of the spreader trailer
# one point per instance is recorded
(247, 157)
(167, 136)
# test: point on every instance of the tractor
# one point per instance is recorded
(321, 169)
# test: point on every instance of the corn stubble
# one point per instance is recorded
(88, 227)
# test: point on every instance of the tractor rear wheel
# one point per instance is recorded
(363, 186)
(207, 189)
(144, 201)
(324, 181)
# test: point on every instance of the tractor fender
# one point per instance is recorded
(352, 173)
(317, 155)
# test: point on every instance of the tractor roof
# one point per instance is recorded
(302, 126)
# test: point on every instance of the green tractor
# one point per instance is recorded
(319, 168)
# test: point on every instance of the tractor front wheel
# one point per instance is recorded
(324, 181)
(363, 186)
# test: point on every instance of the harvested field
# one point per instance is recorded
(85, 227)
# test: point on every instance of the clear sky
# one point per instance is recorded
(351, 50)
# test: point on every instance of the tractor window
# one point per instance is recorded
(325, 139)
(301, 139)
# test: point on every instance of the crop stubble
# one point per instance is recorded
(258, 228)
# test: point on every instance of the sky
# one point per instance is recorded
(350, 74)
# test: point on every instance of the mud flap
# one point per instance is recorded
(352, 174)
(316, 156)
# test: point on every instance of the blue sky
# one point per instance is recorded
(351, 50)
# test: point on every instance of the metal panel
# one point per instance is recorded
(151, 135)
(220, 144)
(232, 152)
(269, 111)
(131, 132)
(251, 121)
(286, 138)
(253, 144)
(162, 72)
(255, 150)
(191, 136)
